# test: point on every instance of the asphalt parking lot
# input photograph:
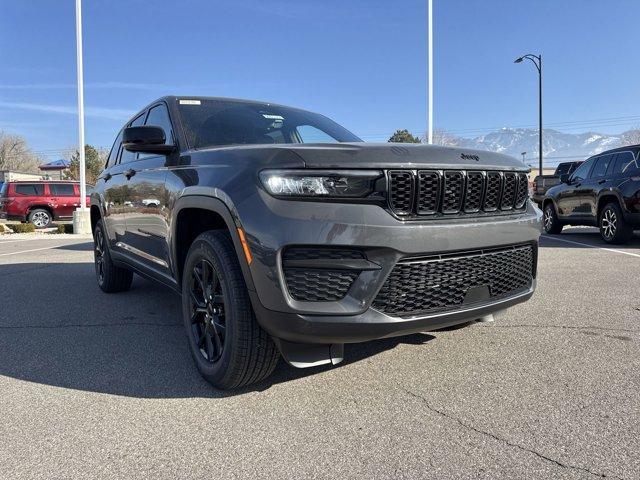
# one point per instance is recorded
(102, 386)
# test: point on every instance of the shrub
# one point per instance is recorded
(23, 228)
(65, 228)
(3, 229)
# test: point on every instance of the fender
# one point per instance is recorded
(612, 193)
(208, 198)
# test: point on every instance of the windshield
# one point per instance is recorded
(210, 123)
(563, 168)
(3, 189)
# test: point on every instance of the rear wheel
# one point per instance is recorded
(228, 346)
(40, 218)
(613, 227)
(550, 221)
(111, 279)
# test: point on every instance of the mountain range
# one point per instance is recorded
(557, 146)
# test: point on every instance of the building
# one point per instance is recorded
(12, 176)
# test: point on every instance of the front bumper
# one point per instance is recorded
(272, 225)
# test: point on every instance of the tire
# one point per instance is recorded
(111, 279)
(228, 346)
(40, 217)
(550, 221)
(612, 225)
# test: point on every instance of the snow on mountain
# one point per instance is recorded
(569, 146)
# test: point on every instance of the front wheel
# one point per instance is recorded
(613, 227)
(550, 221)
(228, 346)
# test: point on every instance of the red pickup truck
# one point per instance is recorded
(40, 202)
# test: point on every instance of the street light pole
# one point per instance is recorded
(537, 61)
(81, 221)
(430, 73)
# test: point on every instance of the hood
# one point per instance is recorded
(399, 155)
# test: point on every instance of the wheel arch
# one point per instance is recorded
(606, 198)
(212, 213)
(549, 200)
(95, 216)
(41, 206)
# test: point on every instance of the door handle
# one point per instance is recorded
(600, 182)
(129, 173)
(578, 185)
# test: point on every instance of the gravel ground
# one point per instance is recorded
(102, 386)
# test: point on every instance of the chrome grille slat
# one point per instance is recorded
(422, 193)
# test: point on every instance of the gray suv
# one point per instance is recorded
(286, 235)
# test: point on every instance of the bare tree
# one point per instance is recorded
(631, 137)
(15, 154)
(444, 138)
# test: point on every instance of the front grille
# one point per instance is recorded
(444, 282)
(416, 193)
(453, 185)
(308, 284)
(401, 196)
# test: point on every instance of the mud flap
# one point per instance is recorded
(305, 355)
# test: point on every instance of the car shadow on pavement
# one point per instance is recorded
(573, 237)
(72, 335)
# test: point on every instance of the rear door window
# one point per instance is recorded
(626, 164)
(62, 189)
(601, 166)
(32, 189)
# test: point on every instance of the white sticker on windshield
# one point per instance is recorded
(189, 102)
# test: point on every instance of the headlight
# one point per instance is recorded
(320, 183)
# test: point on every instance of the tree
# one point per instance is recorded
(403, 136)
(94, 163)
(16, 155)
(445, 139)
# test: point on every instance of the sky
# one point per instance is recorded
(361, 62)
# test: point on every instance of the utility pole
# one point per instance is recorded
(81, 217)
(430, 74)
(523, 155)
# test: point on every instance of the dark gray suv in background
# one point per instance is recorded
(285, 234)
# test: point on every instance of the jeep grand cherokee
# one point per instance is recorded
(286, 235)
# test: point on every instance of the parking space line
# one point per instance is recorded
(32, 250)
(613, 250)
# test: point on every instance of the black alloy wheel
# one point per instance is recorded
(208, 325)
(98, 256)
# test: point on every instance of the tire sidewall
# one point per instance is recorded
(550, 211)
(36, 210)
(621, 235)
(214, 372)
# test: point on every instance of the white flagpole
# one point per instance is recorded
(430, 36)
(83, 189)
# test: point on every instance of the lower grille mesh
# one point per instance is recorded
(308, 284)
(318, 285)
(416, 287)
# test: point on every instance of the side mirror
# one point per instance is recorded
(564, 178)
(147, 139)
